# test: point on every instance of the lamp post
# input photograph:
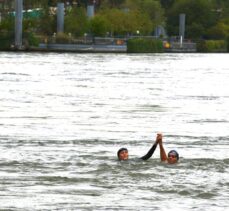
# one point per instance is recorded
(85, 38)
(138, 32)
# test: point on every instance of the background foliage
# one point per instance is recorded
(205, 19)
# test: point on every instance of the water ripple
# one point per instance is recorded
(64, 116)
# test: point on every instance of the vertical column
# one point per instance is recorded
(90, 11)
(60, 17)
(18, 23)
(182, 26)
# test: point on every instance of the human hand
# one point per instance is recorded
(159, 138)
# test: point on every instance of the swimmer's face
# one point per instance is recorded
(123, 155)
(172, 158)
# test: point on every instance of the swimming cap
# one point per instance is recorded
(121, 149)
(174, 152)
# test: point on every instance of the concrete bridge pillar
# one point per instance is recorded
(60, 17)
(182, 26)
(18, 23)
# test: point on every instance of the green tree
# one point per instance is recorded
(220, 30)
(199, 17)
(151, 8)
(123, 23)
(112, 3)
(141, 22)
(47, 23)
(99, 26)
(116, 19)
(222, 8)
(76, 21)
(167, 3)
(7, 24)
(31, 4)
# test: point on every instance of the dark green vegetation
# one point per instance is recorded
(212, 46)
(140, 45)
(227, 41)
(6, 39)
(205, 19)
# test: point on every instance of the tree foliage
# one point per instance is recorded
(121, 22)
(7, 24)
(220, 30)
(208, 19)
(76, 21)
(112, 3)
(199, 17)
(99, 26)
(47, 23)
(151, 8)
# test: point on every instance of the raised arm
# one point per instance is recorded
(162, 150)
(150, 152)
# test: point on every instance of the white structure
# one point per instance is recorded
(182, 26)
(18, 23)
(60, 17)
(90, 11)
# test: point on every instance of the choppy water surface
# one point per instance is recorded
(64, 116)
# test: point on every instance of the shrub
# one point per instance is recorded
(29, 39)
(6, 40)
(227, 44)
(62, 38)
(144, 45)
(210, 46)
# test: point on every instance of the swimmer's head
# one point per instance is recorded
(122, 154)
(173, 156)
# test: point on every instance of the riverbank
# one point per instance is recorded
(174, 47)
(120, 45)
(101, 48)
(82, 48)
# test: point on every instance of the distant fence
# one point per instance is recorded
(109, 41)
(87, 40)
(181, 47)
(172, 45)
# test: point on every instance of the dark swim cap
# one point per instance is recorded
(121, 149)
(174, 152)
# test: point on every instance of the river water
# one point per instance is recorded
(64, 116)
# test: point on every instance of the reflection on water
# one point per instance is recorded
(64, 116)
